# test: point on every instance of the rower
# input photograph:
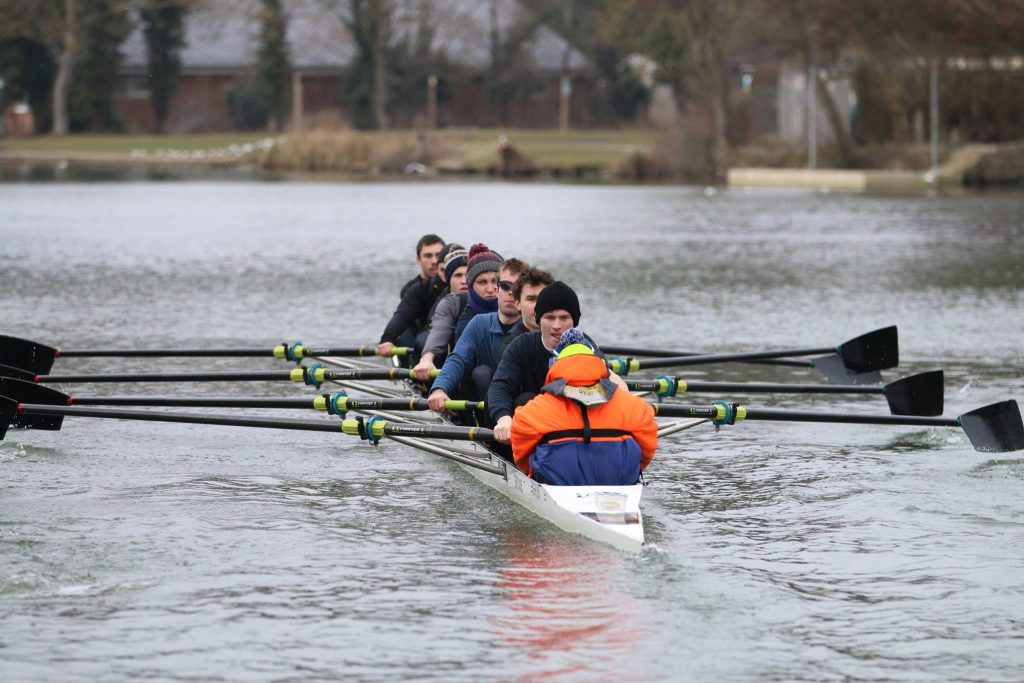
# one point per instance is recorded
(583, 429)
(428, 256)
(525, 292)
(482, 278)
(407, 324)
(441, 329)
(524, 363)
(476, 352)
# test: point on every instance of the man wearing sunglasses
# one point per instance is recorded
(475, 355)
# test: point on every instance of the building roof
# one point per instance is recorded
(224, 35)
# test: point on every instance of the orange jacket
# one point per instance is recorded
(547, 413)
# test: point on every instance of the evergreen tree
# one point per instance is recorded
(164, 30)
(28, 71)
(104, 26)
(274, 71)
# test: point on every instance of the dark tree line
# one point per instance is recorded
(62, 56)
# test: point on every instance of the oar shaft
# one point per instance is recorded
(754, 387)
(291, 352)
(169, 377)
(677, 361)
(665, 353)
(320, 402)
(745, 413)
(188, 418)
(311, 375)
(372, 427)
(196, 402)
(849, 418)
(164, 353)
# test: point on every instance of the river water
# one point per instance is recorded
(145, 551)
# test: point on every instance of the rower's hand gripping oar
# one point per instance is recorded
(920, 394)
(857, 361)
(995, 428)
(336, 403)
(372, 428)
(38, 358)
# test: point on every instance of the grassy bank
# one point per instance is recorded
(470, 151)
(586, 154)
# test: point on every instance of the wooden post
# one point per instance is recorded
(933, 96)
(432, 102)
(564, 95)
(296, 101)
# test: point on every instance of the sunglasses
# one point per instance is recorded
(505, 286)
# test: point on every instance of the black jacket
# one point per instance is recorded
(522, 369)
(414, 309)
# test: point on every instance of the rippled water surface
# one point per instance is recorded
(139, 551)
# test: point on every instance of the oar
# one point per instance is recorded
(920, 394)
(371, 429)
(995, 428)
(632, 351)
(867, 353)
(37, 357)
(337, 403)
(314, 375)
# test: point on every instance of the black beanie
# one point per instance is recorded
(555, 296)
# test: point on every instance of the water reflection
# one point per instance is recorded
(64, 170)
(565, 606)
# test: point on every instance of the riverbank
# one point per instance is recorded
(602, 154)
(598, 155)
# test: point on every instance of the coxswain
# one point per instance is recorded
(525, 361)
(441, 328)
(407, 326)
(583, 429)
(475, 355)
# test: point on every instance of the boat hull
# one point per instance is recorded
(609, 514)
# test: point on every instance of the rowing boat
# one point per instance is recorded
(609, 514)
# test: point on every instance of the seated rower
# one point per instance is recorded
(428, 255)
(525, 361)
(482, 268)
(476, 352)
(583, 429)
(418, 296)
(441, 329)
(528, 287)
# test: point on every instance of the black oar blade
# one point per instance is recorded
(26, 354)
(30, 392)
(920, 394)
(995, 428)
(17, 373)
(832, 367)
(8, 409)
(876, 350)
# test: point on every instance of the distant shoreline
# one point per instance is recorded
(608, 156)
